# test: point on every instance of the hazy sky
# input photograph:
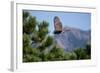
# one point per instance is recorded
(72, 19)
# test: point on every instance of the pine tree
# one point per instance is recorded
(35, 33)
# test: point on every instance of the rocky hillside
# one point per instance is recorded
(72, 38)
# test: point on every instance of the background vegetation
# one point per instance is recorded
(36, 34)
